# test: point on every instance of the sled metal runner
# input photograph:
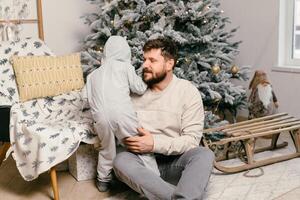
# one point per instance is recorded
(247, 132)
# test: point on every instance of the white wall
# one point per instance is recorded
(259, 23)
(257, 19)
(63, 27)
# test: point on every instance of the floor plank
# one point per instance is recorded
(14, 187)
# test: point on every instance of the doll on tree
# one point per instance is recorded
(262, 100)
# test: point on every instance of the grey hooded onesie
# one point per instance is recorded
(108, 92)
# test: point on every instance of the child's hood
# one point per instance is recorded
(117, 48)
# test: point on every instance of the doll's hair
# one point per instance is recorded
(260, 77)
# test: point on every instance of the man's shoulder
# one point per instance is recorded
(189, 90)
(185, 83)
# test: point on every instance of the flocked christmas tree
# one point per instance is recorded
(206, 52)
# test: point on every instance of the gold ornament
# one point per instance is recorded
(188, 60)
(215, 69)
(99, 49)
(234, 69)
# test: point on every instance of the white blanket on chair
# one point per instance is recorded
(47, 131)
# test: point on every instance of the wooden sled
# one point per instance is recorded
(247, 132)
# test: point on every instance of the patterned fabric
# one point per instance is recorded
(28, 46)
(46, 131)
(42, 76)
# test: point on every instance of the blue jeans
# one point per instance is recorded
(182, 176)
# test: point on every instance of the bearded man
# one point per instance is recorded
(172, 116)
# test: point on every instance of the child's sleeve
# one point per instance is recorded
(136, 84)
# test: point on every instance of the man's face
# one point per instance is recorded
(155, 67)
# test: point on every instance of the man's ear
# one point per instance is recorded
(170, 64)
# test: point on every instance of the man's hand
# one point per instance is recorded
(142, 143)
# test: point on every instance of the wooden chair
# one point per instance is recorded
(246, 133)
(4, 138)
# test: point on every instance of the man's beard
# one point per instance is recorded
(155, 79)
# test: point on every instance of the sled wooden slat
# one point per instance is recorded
(279, 126)
(247, 132)
(261, 123)
(244, 122)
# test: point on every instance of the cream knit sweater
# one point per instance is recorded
(174, 116)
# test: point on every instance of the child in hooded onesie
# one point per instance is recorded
(108, 94)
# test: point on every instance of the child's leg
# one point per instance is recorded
(127, 127)
(107, 151)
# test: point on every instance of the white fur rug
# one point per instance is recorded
(277, 179)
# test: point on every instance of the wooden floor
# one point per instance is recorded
(14, 187)
(291, 195)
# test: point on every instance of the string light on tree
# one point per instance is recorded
(145, 18)
(207, 8)
(188, 60)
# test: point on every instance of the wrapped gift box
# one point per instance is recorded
(83, 163)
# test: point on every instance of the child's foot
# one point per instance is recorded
(102, 186)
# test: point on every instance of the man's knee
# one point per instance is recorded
(203, 154)
(208, 153)
(126, 165)
(120, 160)
(125, 162)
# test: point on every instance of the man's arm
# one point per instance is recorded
(192, 126)
(143, 143)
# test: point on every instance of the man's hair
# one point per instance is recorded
(168, 48)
